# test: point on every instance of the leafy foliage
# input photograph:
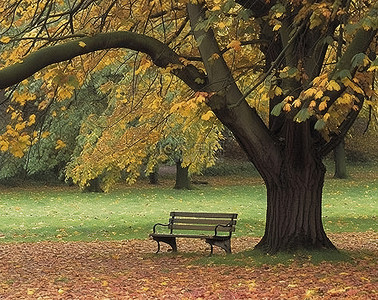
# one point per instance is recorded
(55, 136)
(145, 127)
(27, 27)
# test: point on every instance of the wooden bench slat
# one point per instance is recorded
(203, 215)
(201, 227)
(182, 235)
(204, 221)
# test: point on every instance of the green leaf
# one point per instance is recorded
(367, 23)
(201, 25)
(358, 60)
(292, 72)
(276, 111)
(244, 14)
(344, 74)
(320, 124)
(73, 81)
(199, 80)
(374, 65)
(228, 5)
(278, 8)
(302, 115)
(200, 39)
(268, 80)
(350, 28)
(328, 40)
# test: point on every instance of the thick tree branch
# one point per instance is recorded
(220, 77)
(246, 125)
(160, 53)
(360, 44)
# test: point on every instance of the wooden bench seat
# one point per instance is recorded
(215, 228)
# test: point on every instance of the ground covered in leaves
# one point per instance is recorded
(130, 270)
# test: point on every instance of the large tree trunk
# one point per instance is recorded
(287, 161)
(294, 205)
(294, 192)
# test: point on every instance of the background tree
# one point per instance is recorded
(311, 64)
(141, 129)
(339, 157)
(55, 131)
(359, 144)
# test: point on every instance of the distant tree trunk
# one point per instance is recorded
(93, 186)
(340, 161)
(182, 177)
(154, 176)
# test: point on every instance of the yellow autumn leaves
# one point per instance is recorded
(17, 142)
(60, 144)
(186, 107)
(20, 133)
(141, 124)
(316, 97)
(18, 138)
(15, 139)
(5, 39)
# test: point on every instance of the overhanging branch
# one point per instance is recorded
(159, 52)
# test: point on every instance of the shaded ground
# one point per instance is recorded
(129, 270)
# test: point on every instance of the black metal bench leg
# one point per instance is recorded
(212, 249)
(171, 241)
(224, 244)
(227, 246)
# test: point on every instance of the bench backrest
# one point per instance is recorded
(222, 222)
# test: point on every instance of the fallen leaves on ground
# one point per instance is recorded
(130, 270)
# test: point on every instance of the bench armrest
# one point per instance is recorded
(158, 224)
(220, 225)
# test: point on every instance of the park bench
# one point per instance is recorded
(197, 225)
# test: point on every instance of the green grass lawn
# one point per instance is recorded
(62, 213)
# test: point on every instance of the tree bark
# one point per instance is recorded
(290, 166)
(340, 161)
(294, 194)
(182, 177)
(159, 52)
(293, 219)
